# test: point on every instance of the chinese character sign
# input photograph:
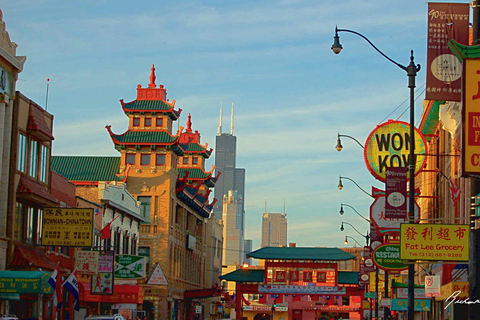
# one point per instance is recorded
(471, 110)
(87, 262)
(67, 227)
(445, 21)
(446, 242)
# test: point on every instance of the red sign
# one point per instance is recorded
(121, 294)
(395, 192)
(307, 276)
(445, 21)
(280, 276)
(294, 276)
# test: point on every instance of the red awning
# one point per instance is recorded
(35, 192)
(28, 257)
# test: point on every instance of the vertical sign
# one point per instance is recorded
(102, 283)
(445, 21)
(396, 191)
(471, 117)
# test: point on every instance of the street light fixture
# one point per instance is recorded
(356, 242)
(339, 146)
(367, 236)
(411, 70)
(340, 185)
(358, 213)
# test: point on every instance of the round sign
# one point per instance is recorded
(396, 199)
(387, 257)
(364, 277)
(389, 146)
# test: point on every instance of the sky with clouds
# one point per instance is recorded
(292, 94)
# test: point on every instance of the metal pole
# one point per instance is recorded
(376, 293)
(386, 310)
(412, 73)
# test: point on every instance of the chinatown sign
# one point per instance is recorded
(387, 257)
(389, 146)
(445, 242)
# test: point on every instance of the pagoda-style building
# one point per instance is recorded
(165, 172)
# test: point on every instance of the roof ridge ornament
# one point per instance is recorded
(189, 123)
(152, 78)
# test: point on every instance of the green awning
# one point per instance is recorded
(25, 282)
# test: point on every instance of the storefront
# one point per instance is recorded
(25, 293)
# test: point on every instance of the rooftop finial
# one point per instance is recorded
(232, 127)
(219, 132)
(189, 124)
(152, 78)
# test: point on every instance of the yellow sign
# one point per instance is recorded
(446, 242)
(454, 290)
(389, 146)
(471, 110)
(67, 227)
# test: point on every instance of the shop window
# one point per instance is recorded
(145, 159)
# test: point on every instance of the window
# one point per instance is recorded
(195, 160)
(116, 241)
(148, 122)
(44, 155)
(28, 227)
(19, 221)
(145, 252)
(130, 158)
(185, 160)
(159, 122)
(136, 122)
(33, 158)
(160, 161)
(126, 243)
(145, 160)
(22, 152)
(145, 207)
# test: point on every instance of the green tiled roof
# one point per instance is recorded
(194, 173)
(150, 137)
(464, 52)
(300, 253)
(256, 275)
(430, 119)
(87, 168)
(244, 275)
(147, 105)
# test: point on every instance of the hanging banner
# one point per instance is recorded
(388, 145)
(445, 21)
(432, 286)
(396, 193)
(445, 242)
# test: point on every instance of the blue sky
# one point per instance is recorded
(272, 59)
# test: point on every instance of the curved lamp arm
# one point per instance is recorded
(346, 240)
(361, 216)
(340, 185)
(367, 237)
(339, 146)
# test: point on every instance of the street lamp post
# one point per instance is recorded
(356, 242)
(339, 146)
(411, 70)
(367, 236)
(358, 213)
(340, 185)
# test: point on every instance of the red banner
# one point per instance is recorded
(307, 276)
(445, 21)
(294, 276)
(396, 193)
(280, 276)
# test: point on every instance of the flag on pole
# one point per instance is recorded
(56, 284)
(72, 285)
(245, 300)
(105, 232)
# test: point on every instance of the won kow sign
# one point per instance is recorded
(389, 146)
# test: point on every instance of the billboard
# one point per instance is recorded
(388, 145)
(445, 242)
(445, 21)
(67, 227)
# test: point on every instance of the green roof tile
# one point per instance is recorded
(431, 119)
(86, 168)
(300, 253)
(147, 105)
(194, 173)
(138, 137)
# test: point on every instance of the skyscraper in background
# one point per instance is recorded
(247, 248)
(233, 236)
(274, 230)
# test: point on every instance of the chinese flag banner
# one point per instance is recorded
(437, 242)
(445, 21)
(396, 193)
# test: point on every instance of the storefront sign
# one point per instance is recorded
(300, 289)
(67, 227)
(395, 193)
(457, 290)
(86, 262)
(389, 146)
(129, 266)
(419, 305)
(263, 308)
(402, 293)
(384, 224)
(25, 282)
(387, 257)
(281, 276)
(446, 242)
(471, 115)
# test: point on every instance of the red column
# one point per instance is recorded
(238, 302)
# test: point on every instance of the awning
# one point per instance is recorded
(28, 257)
(35, 192)
(25, 282)
(121, 294)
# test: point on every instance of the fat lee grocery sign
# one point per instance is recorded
(67, 227)
(447, 242)
(389, 146)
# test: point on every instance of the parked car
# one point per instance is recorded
(103, 317)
